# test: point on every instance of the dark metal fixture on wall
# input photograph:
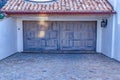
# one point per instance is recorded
(104, 23)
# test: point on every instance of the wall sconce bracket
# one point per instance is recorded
(104, 23)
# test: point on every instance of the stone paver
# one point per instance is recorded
(27, 66)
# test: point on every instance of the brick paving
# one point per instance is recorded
(33, 66)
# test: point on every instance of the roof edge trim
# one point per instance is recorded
(22, 13)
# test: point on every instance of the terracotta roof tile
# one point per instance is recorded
(58, 6)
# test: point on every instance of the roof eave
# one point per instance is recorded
(22, 13)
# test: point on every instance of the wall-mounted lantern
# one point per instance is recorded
(104, 23)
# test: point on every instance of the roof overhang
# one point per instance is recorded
(66, 7)
(59, 13)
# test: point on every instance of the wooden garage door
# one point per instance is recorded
(40, 35)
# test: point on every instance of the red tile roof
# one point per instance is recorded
(59, 6)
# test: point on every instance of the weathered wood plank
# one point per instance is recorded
(39, 35)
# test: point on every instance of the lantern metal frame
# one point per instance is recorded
(104, 23)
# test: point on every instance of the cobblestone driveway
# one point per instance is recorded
(24, 66)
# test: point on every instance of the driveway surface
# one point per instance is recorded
(32, 66)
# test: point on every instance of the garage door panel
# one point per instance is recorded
(66, 43)
(39, 36)
(77, 35)
(51, 43)
(52, 35)
(83, 45)
(90, 43)
(66, 35)
(78, 43)
(59, 35)
(40, 43)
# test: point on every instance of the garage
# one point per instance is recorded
(59, 35)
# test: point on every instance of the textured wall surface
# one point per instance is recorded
(116, 26)
(8, 37)
(107, 38)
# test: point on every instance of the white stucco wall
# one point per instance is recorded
(116, 26)
(8, 37)
(108, 35)
(107, 38)
(117, 43)
(117, 34)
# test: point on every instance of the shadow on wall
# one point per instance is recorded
(8, 37)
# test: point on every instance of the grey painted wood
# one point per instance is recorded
(38, 36)
(59, 35)
(78, 36)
